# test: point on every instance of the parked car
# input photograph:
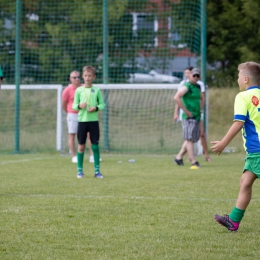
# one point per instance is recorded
(152, 77)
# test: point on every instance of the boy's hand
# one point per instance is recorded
(83, 105)
(92, 109)
(218, 147)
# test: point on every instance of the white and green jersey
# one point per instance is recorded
(93, 97)
(247, 110)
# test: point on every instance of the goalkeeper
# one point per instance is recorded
(88, 101)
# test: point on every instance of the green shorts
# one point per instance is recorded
(252, 164)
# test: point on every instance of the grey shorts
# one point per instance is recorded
(72, 121)
(191, 129)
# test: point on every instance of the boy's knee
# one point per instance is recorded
(81, 148)
(247, 179)
(95, 147)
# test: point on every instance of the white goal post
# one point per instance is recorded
(59, 105)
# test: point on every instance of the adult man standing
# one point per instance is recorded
(188, 98)
(178, 111)
(72, 115)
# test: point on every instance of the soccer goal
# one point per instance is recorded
(138, 119)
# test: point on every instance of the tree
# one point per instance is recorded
(60, 36)
(250, 29)
(233, 36)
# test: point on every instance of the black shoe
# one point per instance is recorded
(195, 166)
(179, 162)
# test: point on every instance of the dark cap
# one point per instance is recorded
(195, 71)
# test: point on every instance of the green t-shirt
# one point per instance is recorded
(1, 73)
(191, 100)
(93, 97)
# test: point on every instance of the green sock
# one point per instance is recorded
(236, 214)
(95, 149)
(80, 157)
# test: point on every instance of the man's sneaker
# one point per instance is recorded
(227, 222)
(195, 166)
(74, 159)
(179, 162)
(80, 175)
(98, 175)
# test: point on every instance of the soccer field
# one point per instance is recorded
(150, 209)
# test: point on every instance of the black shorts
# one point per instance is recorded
(84, 128)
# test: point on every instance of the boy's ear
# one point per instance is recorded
(246, 79)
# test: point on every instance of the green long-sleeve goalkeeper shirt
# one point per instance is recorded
(93, 97)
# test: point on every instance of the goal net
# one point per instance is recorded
(128, 42)
(137, 119)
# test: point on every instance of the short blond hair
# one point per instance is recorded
(252, 70)
(89, 69)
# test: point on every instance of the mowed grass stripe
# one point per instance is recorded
(151, 209)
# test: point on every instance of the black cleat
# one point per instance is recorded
(179, 162)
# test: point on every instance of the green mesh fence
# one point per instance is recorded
(143, 42)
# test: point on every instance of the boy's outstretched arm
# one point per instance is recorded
(219, 146)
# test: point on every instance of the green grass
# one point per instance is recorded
(151, 209)
(221, 114)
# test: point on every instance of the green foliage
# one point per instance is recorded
(224, 33)
(186, 19)
(64, 29)
(251, 31)
(64, 35)
(233, 36)
(57, 37)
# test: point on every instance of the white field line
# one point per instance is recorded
(121, 197)
(26, 160)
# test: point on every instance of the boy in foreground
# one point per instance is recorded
(88, 101)
(247, 118)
